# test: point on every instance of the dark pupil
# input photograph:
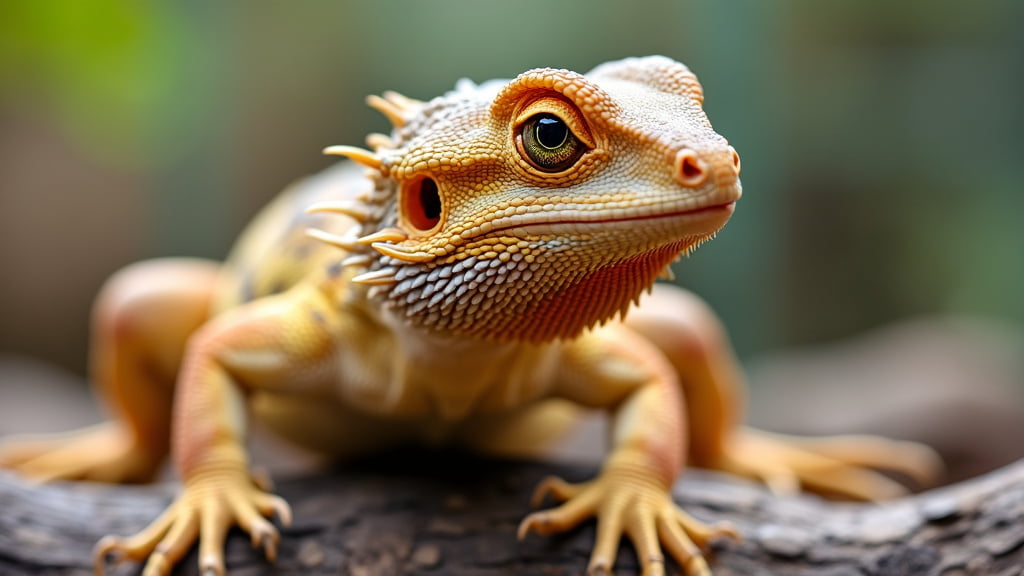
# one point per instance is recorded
(551, 132)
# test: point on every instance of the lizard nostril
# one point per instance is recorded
(735, 159)
(690, 170)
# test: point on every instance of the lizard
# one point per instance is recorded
(463, 278)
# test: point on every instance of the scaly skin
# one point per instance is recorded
(478, 265)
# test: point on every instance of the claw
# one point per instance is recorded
(281, 509)
(106, 550)
(556, 487)
(212, 566)
(269, 542)
(702, 534)
(529, 524)
(542, 523)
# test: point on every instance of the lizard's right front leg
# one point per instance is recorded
(276, 343)
(140, 323)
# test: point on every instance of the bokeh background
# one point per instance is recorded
(882, 142)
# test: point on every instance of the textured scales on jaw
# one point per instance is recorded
(477, 227)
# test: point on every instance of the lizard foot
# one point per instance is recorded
(103, 453)
(626, 503)
(835, 466)
(207, 509)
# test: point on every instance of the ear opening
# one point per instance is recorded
(421, 204)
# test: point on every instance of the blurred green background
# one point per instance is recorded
(882, 141)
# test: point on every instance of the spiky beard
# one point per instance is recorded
(541, 296)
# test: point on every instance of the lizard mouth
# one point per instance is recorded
(694, 221)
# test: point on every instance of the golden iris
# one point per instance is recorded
(550, 144)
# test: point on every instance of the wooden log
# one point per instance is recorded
(442, 513)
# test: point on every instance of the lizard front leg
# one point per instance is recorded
(281, 343)
(631, 497)
(692, 339)
(140, 324)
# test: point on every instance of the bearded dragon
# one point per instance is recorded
(459, 280)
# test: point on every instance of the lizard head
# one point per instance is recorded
(533, 209)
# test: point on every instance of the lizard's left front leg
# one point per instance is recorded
(693, 340)
(278, 342)
(617, 369)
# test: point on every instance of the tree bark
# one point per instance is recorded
(443, 513)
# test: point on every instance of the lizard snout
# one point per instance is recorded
(693, 170)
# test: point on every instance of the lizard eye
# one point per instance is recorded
(548, 143)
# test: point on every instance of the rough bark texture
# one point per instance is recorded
(952, 385)
(455, 515)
